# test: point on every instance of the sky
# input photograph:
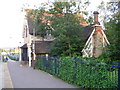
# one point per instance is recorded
(12, 18)
(11, 22)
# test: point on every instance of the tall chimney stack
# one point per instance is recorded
(96, 18)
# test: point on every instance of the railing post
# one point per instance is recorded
(75, 70)
(55, 63)
(118, 75)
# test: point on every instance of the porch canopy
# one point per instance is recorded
(24, 46)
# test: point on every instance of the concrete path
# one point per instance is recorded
(1, 75)
(5, 79)
(26, 77)
(7, 82)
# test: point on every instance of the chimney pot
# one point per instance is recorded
(96, 17)
(95, 12)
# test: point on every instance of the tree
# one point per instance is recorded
(113, 31)
(1, 50)
(67, 29)
(64, 24)
(40, 23)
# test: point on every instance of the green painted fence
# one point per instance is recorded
(84, 73)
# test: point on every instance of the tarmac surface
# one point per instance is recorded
(27, 77)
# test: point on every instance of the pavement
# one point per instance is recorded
(5, 79)
(27, 77)
(1, 75)
(7, 82)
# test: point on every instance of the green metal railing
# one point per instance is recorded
(82, 72)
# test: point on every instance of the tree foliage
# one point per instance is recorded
(113, 31)
(40, 23)
(67, 29)
(64, 24)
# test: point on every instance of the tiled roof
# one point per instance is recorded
(31, 24)
(87, 31)
(24, 46)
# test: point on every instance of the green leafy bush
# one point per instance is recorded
(4, 60)
(12, 58)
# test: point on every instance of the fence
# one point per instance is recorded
(82, 72)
